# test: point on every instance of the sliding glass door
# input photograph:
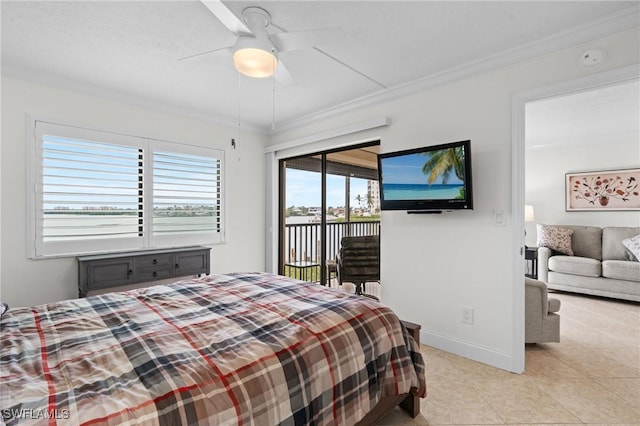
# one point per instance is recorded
(323, 197)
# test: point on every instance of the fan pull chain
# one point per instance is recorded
(239, 121)
(273, 96)
(239, 95)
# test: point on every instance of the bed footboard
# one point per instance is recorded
(410, 403)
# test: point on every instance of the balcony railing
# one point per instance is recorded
(303, 247)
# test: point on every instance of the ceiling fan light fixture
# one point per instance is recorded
(254, 57)
(255, 62)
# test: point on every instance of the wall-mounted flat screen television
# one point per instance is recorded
(431, 178)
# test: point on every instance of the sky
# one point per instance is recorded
(407, 169)
(303, 189)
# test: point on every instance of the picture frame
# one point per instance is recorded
(603, 190)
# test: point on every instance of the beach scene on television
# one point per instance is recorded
(434, 175)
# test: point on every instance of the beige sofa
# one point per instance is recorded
(600, 264)
(542, 322)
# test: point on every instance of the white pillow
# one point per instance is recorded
(633, 245)
(556, 238)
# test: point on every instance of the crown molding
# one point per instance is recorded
(612, 24)
(92, 90)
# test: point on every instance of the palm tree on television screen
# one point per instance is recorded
(441, 163)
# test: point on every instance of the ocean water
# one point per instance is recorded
(400, 191)
(61, 227)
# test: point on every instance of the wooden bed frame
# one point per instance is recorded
(408, 402)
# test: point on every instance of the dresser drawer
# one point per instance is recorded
(151, 274)
(164, 259)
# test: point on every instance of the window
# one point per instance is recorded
(97, 191)
(186, 195)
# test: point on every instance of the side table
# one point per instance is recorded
(302, 270)
(531, 257)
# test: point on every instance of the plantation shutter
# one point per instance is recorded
(90, 190)
(186, 196)
(97, 192)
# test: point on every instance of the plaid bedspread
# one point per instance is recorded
(246, 349)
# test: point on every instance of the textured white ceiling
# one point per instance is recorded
(593, 116)
(129, 50)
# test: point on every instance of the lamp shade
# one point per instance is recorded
(254, 58)
(528, 214)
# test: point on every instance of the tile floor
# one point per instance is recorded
(591, 377)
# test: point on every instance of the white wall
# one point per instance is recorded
(545, 180)
(434, 265)
(27, 282)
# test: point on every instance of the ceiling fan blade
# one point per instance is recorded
(282, 75)
(228, 19)
(295, 40)
(223, 50)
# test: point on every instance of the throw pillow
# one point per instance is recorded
(633, 245)
(556, 238)
(3, 308)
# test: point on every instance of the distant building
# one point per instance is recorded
(373, 188)
(336, 211)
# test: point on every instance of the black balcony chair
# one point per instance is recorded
(358, 261)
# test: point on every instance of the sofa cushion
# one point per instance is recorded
(554, 305)
(621, 270)
(633, 245)
(575, 265)
(586, 241)
(612, 248)
(554, 237)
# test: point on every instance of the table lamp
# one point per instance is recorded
(529, 216)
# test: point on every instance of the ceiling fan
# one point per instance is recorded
(256, 51)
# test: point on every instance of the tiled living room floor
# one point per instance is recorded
(591, 377)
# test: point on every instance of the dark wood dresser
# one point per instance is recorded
(103, 271)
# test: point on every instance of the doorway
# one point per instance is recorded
(322, 197)
(520, 100)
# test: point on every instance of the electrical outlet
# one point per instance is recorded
(467, 315)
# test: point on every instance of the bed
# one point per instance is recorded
(245, 349)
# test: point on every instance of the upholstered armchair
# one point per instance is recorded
(359, 261)
(542, 322)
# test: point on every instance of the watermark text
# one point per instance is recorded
(33, 414)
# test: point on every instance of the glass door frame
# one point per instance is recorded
(323, 214)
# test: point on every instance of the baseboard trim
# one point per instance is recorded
(469, 350)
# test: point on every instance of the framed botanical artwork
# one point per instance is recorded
(606, 190)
